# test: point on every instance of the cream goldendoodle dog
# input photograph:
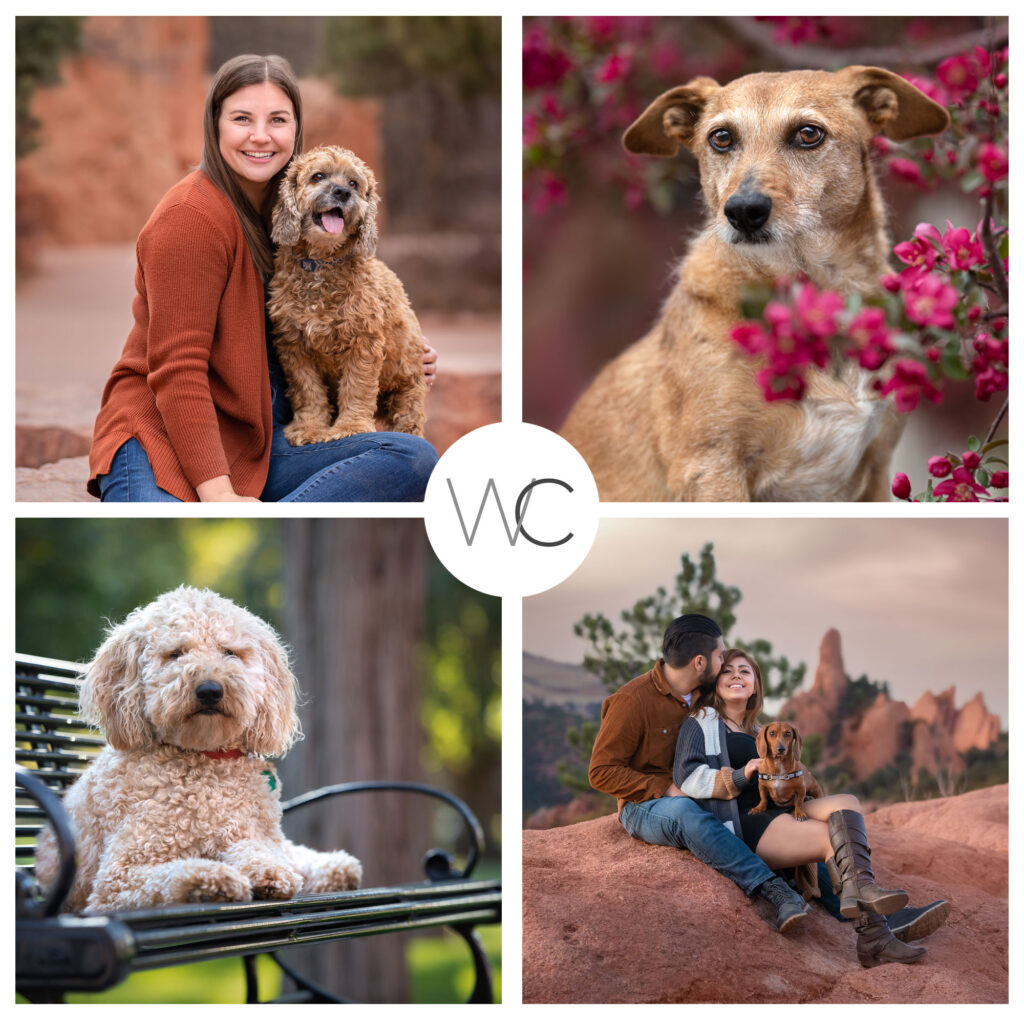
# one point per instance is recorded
(348, 340)
(192, 693)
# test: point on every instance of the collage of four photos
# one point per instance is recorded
(651, 401)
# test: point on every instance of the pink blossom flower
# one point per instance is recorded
(910, 383)
(959, 74)
(962, 251)
(615, 67)
(1000, 478)
(993, 162)
(869, 333)
(961, 486)
(929, 301)
(939, 466)
(907, 170)
(543, 65)
(989, 382)
(817, 310)
(776, 388)
(971, 460)
(891, 282)
(901, 486)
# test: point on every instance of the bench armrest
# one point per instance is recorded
(438, 864)
(28, 904)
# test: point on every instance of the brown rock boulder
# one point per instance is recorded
(815, 709)
(876, 738)
(609, 919)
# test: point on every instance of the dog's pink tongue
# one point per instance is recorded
(333, 223)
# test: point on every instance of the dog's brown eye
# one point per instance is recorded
(721, 140)
(319, 176)
(354, 184)
(809, 136)
(228, 652)
(176, 654)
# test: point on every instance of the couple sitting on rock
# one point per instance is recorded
(676, 747)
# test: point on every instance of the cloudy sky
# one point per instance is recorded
(919, 604)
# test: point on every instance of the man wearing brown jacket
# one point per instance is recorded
(632, 760)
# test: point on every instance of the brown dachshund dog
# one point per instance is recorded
(782, 777)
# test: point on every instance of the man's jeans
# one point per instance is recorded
(678, 821)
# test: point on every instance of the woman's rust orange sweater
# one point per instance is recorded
(192, 384)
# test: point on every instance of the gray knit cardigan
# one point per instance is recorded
(701, 768)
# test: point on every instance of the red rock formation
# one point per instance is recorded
(938, 737)
(815, 710)
(975, 726)
(876, 738)
(609, 919)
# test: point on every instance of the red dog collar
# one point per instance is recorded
(219, 755)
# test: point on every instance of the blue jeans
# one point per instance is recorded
(678, 821)
(381, 466)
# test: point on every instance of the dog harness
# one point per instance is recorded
(779, 778)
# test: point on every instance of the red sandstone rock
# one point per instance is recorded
(975, 726)
(609, 919)
(939, 734)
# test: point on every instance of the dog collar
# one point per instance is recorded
(308, 263)
(220, 755)
(778, 778)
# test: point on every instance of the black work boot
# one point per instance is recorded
(850, 869)
(877, 945)
(789, 905)
(912, 923)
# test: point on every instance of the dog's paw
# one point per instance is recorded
(275, 882)
(350, 427)
(298, 433)
(335, 872)
(210, 883)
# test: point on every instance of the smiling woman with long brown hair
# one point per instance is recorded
(195, 407)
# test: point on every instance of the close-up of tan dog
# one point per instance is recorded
(786, 176)
(782, 778)
(347, 337)
(192, 694)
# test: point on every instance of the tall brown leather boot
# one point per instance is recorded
(850, 869)
(877, 945)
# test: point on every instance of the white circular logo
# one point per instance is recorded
(511, 509)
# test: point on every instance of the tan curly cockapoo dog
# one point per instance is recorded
(348, 340)
(191, 692)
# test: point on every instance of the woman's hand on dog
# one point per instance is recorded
(751, 768)
(429, 362)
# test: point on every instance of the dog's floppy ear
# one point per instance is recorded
(670, 119)
(111, 694)
(276, 726)
(366, 243)
(761, 742)
(286, 223)
(798, 742)
(891, 104)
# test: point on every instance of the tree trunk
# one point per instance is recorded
(353, 614)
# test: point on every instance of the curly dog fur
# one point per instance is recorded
(191, 692)
(348, 340)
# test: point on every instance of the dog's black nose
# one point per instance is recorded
(748, 211)
(209, 693)
(341, 193)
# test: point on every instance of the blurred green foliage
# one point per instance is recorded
(40, 43)
(369, 55)
(73, 575)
